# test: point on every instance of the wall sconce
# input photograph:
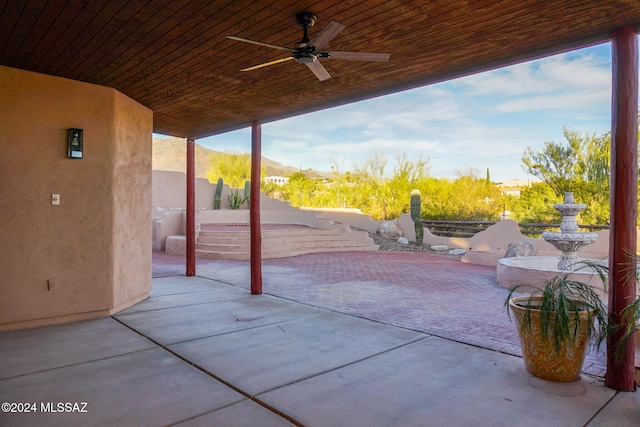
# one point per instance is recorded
(75, 144)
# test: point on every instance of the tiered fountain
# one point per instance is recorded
(536, 270)
(569, 240)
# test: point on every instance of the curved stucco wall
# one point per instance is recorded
(89, 255)
(131, 201)
(169, 191)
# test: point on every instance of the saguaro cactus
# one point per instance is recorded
(247, 193)
(218, 197)
(416, 207)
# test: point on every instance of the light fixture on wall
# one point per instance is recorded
(75, 144)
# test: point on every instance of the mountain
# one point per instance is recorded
(170, 154)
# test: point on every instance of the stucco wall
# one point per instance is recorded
(350, 216)
(78, 247)
(132, 262)
(169, 191)
(488, 246)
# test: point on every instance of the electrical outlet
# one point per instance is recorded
(52, 285)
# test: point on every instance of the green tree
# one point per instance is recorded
(299, 191)
(380, 194)
(234, 168)
(369, 192)
(581, 165)
(271, 190)
(535, 204)
(468, 197)
(384, 194)
(407, 175)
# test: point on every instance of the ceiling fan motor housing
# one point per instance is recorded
(304, 58)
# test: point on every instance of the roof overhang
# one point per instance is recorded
(174, 57)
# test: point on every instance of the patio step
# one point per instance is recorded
(234, 244)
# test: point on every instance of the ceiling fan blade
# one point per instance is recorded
(272, 46)
(332, 29)
(266, 64)
(360, 56)
(317, 69)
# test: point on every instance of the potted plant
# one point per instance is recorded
(556, 325)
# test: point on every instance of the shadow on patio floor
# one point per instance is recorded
(359, 349)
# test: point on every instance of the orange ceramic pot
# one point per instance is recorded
(540, 356)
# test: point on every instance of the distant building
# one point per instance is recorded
(277, 180)
(513, 187)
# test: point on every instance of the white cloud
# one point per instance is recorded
(564, 101)
(562, 72)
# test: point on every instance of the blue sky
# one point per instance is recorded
(479, 121)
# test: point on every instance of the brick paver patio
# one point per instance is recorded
(435, 294)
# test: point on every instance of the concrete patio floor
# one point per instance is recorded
(339, 351)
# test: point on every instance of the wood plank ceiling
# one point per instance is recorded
(173, 56)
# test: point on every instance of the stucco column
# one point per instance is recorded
(624, 194)
(254, 210)
(191, 208)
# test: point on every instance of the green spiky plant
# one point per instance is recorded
(217, 200)
(631, 313)
(416, 207)
(235, 199)
(559, 302)
(247, 193)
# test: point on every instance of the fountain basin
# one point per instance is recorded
(536, 270)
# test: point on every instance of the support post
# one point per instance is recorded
(624, 194)
(254, 210)
(191, 208)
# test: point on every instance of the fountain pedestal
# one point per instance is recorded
(569, 240)
(537, 270)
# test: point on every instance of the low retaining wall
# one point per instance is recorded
(164, 223)
(484, 248)
(352, 217)
(488, 246)
(293, 216)
(536, 271)
(169, 225)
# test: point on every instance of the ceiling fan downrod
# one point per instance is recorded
(306, 21)
(304, 51)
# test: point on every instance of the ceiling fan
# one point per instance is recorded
(308, 52)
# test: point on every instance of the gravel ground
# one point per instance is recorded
(388, 244)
